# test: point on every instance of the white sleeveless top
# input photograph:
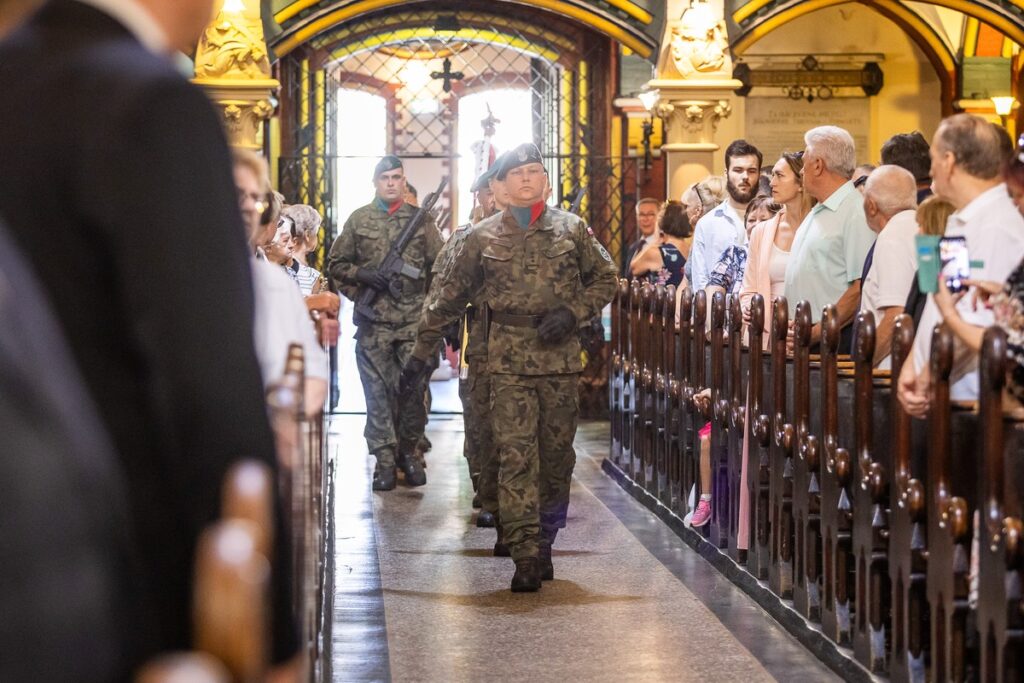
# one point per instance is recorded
(777, 270)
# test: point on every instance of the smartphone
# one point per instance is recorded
(956, 263)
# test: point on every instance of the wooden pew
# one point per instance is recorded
(806, 500)
(303, 481)
(952, 481)
(631, 440)
(780, 488)
(739, 358)
(656, 391)
(872, 471)
(759, 431)
(908, 532)
(837, 442)
(699, 413)
(645, 389)
(230, 595)
(616, 368)
(718, 527)
(1000, 612)
(684, 426)
(669, 394)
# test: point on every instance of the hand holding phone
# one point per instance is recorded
(956, 263)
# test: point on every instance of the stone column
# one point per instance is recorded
(694, 81)
(233, 67)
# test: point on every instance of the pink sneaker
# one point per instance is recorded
(702, 514)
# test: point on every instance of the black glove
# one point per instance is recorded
(372, 278)
(557, 325)
(412, 374)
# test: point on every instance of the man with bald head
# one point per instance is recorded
(890, 200)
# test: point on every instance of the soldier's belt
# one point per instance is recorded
(513, 320)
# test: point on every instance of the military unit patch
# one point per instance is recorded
(604, 252)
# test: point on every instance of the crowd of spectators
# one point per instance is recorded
(834, 233)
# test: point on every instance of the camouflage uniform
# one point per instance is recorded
(523, 274)
(475, 387)
(384, 345)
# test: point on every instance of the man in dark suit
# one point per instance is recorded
(64, 533)
(646, 230)
(117, 184)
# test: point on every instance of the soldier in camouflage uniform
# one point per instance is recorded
(474, 381)
(540, 270)
(383, 345)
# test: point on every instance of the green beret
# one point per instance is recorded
(388, 163)
(483, 181)
(526, 153)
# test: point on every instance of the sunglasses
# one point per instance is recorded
(860, 181)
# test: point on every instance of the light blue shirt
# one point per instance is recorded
(828, 251)
(718, 230)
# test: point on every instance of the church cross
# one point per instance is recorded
(448, 75)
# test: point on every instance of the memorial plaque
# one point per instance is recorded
(777, 124)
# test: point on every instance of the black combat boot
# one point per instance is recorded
(476, 502)
(547, 570)
(500, 547)
(527, 576)
(484, 519)
(547, 541)
(414, 474)
(384, 478)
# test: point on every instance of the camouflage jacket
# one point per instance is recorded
(556, 261)
(475, 346)
(364, 240)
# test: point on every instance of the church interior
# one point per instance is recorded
(848, 539)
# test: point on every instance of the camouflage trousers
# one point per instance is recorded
(392, 425)
(534, 423)
(478, 446)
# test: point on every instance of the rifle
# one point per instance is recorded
(443, 218)
(577, 200)
(392, 264)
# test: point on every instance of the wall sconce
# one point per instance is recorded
(1004, 106)
(650, 99)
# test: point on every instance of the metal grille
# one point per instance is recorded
(425, 65)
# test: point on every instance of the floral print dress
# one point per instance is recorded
(1008, 308)
(671, 272)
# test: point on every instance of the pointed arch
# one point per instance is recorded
(303, 20)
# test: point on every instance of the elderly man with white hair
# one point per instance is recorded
(890, 200)
(827, 257)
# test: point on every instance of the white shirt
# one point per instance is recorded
(995, 237)
(281, 319)
(892, 268)
(139, 22)
(718, 230)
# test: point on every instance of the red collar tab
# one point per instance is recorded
(395, 207)
(536, 210)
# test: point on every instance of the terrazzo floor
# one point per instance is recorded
(630, 601)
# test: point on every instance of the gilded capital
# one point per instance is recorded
(233, 66)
